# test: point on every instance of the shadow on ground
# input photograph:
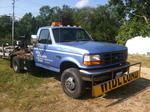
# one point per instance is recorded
(43, 73)
(125, 92)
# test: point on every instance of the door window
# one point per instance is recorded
(44, 36)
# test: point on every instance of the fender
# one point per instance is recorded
(70, 59)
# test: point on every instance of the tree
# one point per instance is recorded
(104, 24)
(132, 8)
(66, 15)
(5, 26)
(119, 8)
(46, 16)
(26, 26)
(118, 21)
(131, 29)
(82, 17)
(135, 14)
(49, 15)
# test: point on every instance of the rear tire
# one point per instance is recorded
(16, 65)
(72, 83)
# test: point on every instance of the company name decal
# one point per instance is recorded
(112, 84)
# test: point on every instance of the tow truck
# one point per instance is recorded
(71, 51)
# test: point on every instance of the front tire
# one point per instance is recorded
(72, 83)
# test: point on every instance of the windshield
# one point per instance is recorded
(70, 34)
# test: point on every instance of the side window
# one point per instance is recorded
(44, 36)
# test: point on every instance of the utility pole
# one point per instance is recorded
(13, 22)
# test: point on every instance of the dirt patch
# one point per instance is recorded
(133, 97)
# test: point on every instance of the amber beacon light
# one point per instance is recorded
(56, 24)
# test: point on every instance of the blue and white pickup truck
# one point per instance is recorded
(71, 51)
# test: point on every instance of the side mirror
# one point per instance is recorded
(34, 39)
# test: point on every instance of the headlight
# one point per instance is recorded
(92, 60)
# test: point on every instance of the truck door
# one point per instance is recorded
(40, 52)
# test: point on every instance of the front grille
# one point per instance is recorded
(113, 57)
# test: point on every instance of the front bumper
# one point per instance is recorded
(103, 74)
(112, 81)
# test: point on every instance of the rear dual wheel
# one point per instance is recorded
(16, 65)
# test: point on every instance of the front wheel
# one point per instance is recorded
(72, 84)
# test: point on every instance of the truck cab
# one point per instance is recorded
(54, 47)
(57, 45)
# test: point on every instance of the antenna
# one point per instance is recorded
(13, 22)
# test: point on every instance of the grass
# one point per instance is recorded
(27, 91)
(140, 58)
(15, 87)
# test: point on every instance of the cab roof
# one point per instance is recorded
(60, 25)
(53, 27)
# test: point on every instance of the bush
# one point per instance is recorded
(131, 29)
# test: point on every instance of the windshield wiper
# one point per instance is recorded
(75, 40)
(84, 40)
(69, 41)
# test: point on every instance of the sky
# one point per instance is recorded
(33, 6)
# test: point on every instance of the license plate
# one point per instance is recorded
(119, 74)
(105, 87)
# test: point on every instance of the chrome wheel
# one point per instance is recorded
(15, 67)
(70, 83)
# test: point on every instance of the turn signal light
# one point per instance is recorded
(88, 63)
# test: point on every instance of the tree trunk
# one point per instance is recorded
(146, 19)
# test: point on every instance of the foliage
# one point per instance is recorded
(5, 26)
(104, 24)
(131, 29)
(16, 87)
(135, 16)
(26, 26)
(117, 21)
(138, 9)
(101, 22)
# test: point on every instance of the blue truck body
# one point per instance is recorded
(51, 56)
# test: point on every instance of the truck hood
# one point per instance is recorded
(93, 47)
